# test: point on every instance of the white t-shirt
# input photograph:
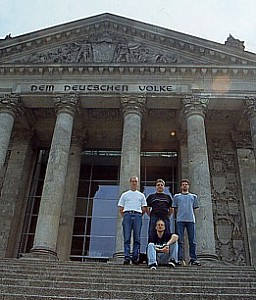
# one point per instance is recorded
(132, 200)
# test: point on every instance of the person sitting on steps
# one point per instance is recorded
(162, 248)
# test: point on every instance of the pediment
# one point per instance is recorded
(109, 39)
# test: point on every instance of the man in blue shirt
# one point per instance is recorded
(132, 205)
(185, 204)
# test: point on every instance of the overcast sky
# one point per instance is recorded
(210, 19)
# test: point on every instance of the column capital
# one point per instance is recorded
(250, 103)
(133, 104)
(68, 103)
(195, 104)
(11, 103)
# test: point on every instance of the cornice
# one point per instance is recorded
(106, 69)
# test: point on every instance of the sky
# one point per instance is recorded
(213, 20)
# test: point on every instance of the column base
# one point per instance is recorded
(118, 258)
(40, 254)
(118, 255)
(212, 260)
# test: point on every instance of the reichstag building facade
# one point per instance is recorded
(87, 104)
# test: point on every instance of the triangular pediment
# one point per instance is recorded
(109, 39)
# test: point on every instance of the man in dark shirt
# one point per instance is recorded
(162, 248)
(160, 207)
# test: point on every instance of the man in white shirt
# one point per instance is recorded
(132, 205)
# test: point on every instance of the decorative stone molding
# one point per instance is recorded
(195, 104)
(11, 103)
(132, 68)
(250, 103)
(68, 103)
(133, 104)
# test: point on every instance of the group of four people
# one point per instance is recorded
(164, 247)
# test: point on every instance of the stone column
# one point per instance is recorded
(183, 160)
(13, 193)
(47, 227)
(250, 103)
(69, 202)
(10, 107)
(132, 107)
(199, 175)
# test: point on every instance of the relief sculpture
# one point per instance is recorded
(227, 206)
(104, 48)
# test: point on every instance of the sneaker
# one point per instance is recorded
(126, 262)
(135, 262)
(194, 263)
(152, 267)
(172, 264)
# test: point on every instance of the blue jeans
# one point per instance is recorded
(152, 225)
(132, 222)
(161, 258)
(191, 231)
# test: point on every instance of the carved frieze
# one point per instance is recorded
(104, 47)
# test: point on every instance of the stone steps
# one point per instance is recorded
(147, 277)
(156, 286)
(28, 279)
(74, 282)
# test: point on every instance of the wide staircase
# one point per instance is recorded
(25, 279)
